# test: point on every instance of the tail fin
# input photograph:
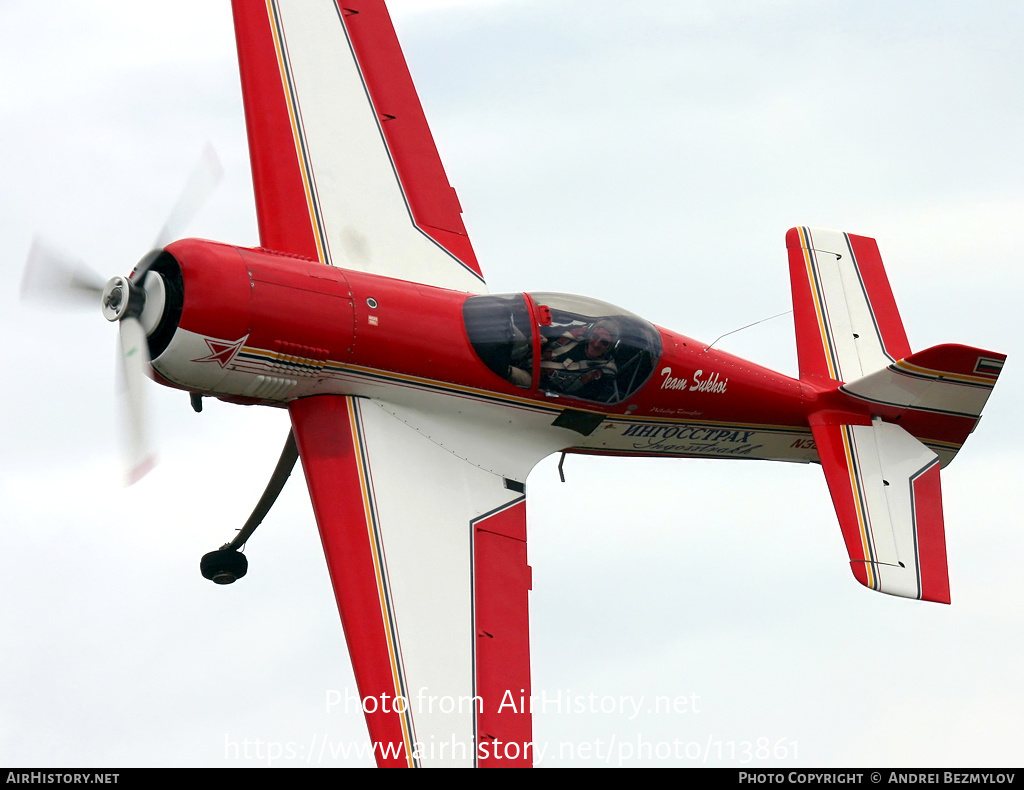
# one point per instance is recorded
(883, 477)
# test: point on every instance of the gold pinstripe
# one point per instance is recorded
(942, 445)
(858, 500)
(339, 368)
(275, 17)
(272, 357)
(378, 567)
(281, 357)
(805, 243)
(985, 381)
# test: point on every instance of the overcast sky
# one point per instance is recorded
(650, 154)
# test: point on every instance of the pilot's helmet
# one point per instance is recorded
(609, 325)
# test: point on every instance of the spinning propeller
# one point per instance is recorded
(52, 277)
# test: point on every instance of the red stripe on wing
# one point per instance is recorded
(811, 346)
(883, 304)
(833, 454)
(434, 205)
(501, 587)
(282, 210)
(931, 536)
(330, 460)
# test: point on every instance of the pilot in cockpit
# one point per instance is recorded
(578, 361)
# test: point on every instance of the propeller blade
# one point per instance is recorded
(135, 359)
(52, 276)
(205, 177)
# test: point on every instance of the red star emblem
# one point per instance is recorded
(220, 352)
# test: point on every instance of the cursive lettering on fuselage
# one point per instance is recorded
(712, 383)
(670, 383)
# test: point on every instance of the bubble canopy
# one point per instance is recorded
(562, 344)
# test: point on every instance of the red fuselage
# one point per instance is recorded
(261, 327)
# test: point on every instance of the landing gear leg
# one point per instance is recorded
(228, 564)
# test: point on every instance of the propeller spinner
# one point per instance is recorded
(126, 303)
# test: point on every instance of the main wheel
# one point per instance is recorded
(223, 566)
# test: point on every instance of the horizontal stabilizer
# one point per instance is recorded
(886, 490)
(847, 323)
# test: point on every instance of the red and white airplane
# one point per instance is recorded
(419, 402)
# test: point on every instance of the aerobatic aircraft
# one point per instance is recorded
(420, 402)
